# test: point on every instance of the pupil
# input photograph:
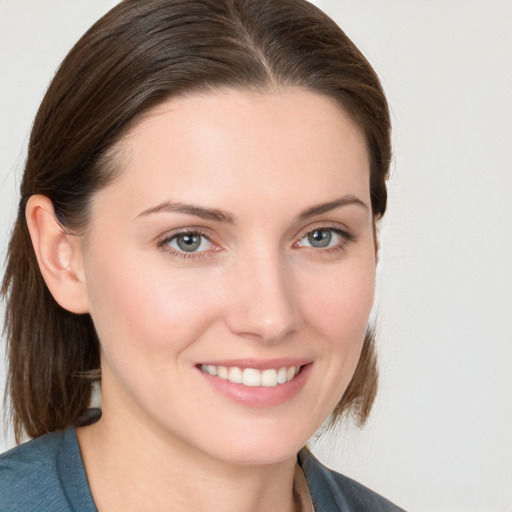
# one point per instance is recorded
(320, 238)
(189, 242)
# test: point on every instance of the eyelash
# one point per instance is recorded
(345, 238)
(163, 245)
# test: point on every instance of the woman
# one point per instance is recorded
(197, 227)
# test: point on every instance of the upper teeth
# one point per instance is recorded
(251, 376)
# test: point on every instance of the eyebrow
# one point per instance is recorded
(332, 205)
(189, 209)
(225, 217)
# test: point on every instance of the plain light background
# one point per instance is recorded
(440, 436)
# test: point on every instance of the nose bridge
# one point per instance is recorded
(264, 304)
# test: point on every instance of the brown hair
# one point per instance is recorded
(138, 55)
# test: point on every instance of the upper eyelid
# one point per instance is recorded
(170, 235)
(187, 232)
(344, 236)
(335, 226)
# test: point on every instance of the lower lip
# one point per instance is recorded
(259, 396)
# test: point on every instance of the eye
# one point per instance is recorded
(187, 242)
(325, 238)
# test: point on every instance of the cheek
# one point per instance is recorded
(337, 307)
(339, 304)
(141, 309)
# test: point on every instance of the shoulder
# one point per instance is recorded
(331, 491)
(32, 475)
(32, 465)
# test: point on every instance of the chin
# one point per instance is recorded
(262, 447)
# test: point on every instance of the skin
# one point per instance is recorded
(257, 289)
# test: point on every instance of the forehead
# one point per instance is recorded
(209, 146)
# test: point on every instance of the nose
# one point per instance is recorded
(264, 301)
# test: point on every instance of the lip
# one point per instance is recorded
(259, 397)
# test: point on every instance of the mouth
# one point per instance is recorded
(252, 377)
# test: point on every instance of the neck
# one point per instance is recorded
(138, 468)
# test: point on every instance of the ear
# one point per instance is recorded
(59, 255)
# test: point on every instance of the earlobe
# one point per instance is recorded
(58, 254)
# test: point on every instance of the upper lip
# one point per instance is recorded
(259, 364)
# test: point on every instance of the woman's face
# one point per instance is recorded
(236, 245)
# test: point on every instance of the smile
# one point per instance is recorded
(252, 377)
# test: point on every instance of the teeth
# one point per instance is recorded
(269, 378)
(252, 377)
(235, 375)
(281, 376)
(290, 373)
